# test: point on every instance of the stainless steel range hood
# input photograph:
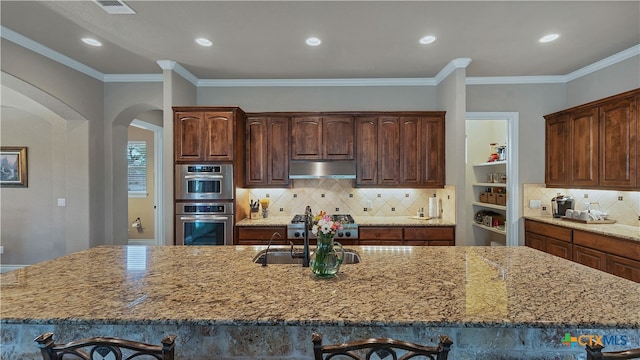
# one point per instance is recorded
(337, 169)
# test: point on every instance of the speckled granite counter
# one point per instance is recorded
(223, 306)
(622, 231)
(360, 220)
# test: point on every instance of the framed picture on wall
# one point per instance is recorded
(13, 166)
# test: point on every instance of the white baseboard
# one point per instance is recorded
(5, 268)
(146, 242)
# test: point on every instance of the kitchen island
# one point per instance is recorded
(494, 302)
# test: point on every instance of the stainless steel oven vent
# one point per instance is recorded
(115, 7)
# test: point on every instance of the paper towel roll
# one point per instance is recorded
(433, 207)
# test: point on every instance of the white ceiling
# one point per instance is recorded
(361, 39)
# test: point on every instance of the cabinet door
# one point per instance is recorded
(410, 154)
(306, 138)
(278, 151)
(432, 157)
(559, 248)
(188, 145)
(337, 135)
(256, 151)
(218, 135)
(366, 151)
(618, 144)
(590, 257)
(557, 154)
(623, 267)
(254, 235)
(534, 241)
(388, 150)
(584, 147)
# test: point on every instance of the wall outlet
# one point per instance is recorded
(1, 249)
(62, 202)
(534, 204)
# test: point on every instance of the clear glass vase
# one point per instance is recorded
(327, 258)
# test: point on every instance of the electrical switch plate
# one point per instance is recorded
(534, 204)
(62, 202)
(1, 249)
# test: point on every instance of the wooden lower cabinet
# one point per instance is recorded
(614, 255)
(552, 239)
(590, 257)
(379, 235)
(429, 236)
(260, 235)
(623, 267)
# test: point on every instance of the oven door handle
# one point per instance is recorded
(203, 176)
(204, 218)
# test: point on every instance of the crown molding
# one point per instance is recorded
(598, 65)
(179, 69)
(38, 48)
(316, 82)
(454, 64)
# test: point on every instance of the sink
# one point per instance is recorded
(283, 256)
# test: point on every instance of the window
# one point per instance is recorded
(137, 168)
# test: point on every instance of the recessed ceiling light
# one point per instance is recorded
(429, 39)
(91, 41)
(313, 41)
(204, 42)
(549, 38)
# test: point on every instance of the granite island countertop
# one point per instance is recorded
(360, 220)
(220, 285)
(618, 230)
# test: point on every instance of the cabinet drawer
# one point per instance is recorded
(589, 257)
(380, 233)
(559, 248)
(534, 241)
(608, 244)
(623, 267)
(556, 232)
(262, 233)
(429, 233)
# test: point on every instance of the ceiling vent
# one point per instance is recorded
(115, 7)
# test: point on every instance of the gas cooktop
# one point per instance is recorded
(341, 218)
(349, 227)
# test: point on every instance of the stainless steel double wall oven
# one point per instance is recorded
(204, 204)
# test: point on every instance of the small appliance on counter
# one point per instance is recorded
(560, 204)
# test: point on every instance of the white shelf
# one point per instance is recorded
(504, 185)
(490, 206)
(491, 163)
(492, 229)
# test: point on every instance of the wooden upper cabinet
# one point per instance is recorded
(337, 136)
(618, 143)
(433, 151)
(306, 142)
(322, 138)
(219, 144)
(267, 151)
(602, 138)
(409, 149)
(584, 147)
(188, 144)
(557, 154)
(388, 150)
(366, 151)
(204, 136)
(410, 152)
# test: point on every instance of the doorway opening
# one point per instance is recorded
(145, 212)
(491, 187)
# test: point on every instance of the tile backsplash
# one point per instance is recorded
(339, 196)
(623, 206)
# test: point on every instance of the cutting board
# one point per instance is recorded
(608, 221)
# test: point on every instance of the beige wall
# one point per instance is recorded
(142, 208)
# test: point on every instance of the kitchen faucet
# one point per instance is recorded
(266, 252)
(308, 219)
